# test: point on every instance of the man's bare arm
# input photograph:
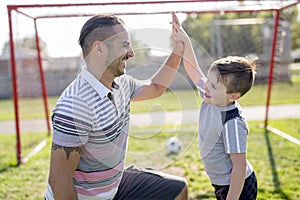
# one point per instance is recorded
(63, 163)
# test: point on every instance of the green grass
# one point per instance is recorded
(27, 181)
(170, 100)
(276, 161)
(29, 108)
(282, 93)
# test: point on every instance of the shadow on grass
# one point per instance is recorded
(4, 168)
(203, 196)
(276, 180)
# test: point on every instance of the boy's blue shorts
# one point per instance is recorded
(249, 191)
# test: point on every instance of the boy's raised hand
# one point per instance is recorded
(189, 59)
(182, 36)
(176, 35)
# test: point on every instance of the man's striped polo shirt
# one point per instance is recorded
(84, 115)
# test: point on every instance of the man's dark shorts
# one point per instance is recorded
(148, 184)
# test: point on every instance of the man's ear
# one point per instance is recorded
(234, 96)
(99, 47)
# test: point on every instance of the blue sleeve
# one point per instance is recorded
(235, 136)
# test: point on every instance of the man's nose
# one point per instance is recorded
(130, 53)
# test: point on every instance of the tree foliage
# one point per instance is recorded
(26, 43)
(141, 50)
(204, 29)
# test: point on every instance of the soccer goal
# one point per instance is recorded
(41, 76)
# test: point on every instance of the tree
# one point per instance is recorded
(142, 51)
(26, 43)
(203, 29)
(291, 14)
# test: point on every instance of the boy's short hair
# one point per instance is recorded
(99, 27)
(236, 73)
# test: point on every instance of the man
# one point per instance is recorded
(91, 122)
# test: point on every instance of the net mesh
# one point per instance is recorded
(211, 40)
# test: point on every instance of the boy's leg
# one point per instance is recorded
(148, 184)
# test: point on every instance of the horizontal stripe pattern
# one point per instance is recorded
(85, 116)
(109, 191)
(81, 176)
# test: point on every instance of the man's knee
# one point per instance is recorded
(183, 195)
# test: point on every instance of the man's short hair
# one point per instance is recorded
(98, 27)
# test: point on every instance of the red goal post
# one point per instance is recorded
(37, 12)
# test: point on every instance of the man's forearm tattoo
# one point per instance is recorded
(68, 150)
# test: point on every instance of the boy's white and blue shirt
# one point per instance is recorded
(222, 131)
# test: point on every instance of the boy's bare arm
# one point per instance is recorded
(237, 177)
(189, 59)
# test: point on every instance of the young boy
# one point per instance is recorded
(222, 129)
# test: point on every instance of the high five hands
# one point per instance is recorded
(176, 35)
(180, 34)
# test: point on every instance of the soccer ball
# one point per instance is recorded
(173, 145)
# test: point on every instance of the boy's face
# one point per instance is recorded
(215, 91)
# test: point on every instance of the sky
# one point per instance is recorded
(61, 34)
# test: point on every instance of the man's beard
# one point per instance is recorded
(114, 67)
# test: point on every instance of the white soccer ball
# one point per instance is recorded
(173, 145)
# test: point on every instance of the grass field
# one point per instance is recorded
(276, 161)
(282, 93)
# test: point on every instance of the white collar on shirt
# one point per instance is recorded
(95, 83)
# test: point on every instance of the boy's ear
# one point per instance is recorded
(234, 96)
